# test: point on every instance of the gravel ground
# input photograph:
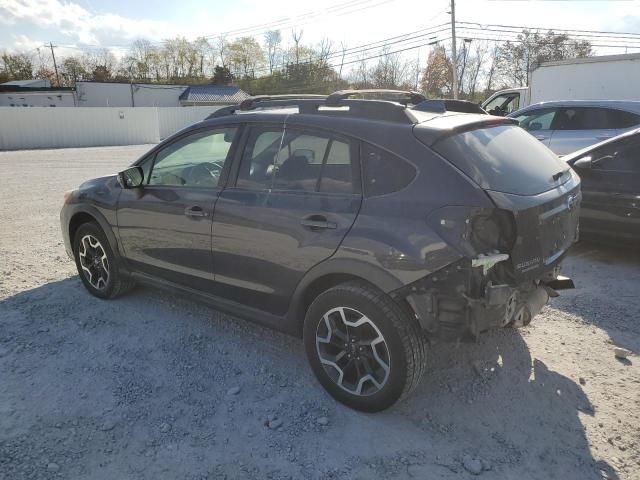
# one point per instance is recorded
(156, 386)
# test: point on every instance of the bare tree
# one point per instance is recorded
(272, 40)
(220, 46)
(296, 35)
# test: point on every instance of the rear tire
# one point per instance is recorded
(362, 347)
(98, 267)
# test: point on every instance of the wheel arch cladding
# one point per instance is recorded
(76, 221)
(330, 275)
(88, 214)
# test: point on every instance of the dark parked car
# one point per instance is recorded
(610, 173)
(366, 227)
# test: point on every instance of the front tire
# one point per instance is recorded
(97, 265)
(362, 347)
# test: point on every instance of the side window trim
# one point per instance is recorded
(234, 171)
(228, 159)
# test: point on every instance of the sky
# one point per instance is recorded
(26, 25)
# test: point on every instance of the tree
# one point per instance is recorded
(516, 58)
(101, 74)
(46, 74)
(391, 72)
(272, 40)
(437, 78)
(219, 49)
(17, 66)
(221, 76)
(245, 55)
(72, 70)
(296, 36)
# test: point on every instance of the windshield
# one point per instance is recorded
(504, 158)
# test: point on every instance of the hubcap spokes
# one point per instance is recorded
(352, 351)
(94, 262)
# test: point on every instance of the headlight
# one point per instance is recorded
(67, 195)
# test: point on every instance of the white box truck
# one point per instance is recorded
(611, 77)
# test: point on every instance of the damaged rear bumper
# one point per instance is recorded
(471, 296)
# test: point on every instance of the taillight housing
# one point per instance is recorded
(474, 230)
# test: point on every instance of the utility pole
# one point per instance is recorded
(454, 54)
(55, 66)
(418, 70)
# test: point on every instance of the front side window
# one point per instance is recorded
(622, 156)
(537, 120)
(297, 161)
(504, 104)
(196, 160)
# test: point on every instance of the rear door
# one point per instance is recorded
(575, 128)
(295, 195)
(611, 189)
(165, 226)
(538, 123)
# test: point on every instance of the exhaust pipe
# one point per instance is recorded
(532, 306)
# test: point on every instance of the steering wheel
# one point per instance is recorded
(204, 174)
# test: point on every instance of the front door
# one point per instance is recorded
(296, 195)
(538, 123)
(611, 189)
(165, 226)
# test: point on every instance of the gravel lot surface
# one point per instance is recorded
(156, 386)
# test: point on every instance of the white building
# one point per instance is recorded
(35, 93)
(114, 94)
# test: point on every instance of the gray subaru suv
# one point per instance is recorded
(368, 228)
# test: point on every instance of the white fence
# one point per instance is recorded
(45, 127)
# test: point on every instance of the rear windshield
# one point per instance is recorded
(504, 158)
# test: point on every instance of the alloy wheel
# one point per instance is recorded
(94, 262)
(353, 351)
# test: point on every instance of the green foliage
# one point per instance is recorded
(17, 66)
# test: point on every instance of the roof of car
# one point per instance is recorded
(628, 105)
(579, 153)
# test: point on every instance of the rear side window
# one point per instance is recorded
(582, 118)
(622, 119)
(384, 172)
(298, 161)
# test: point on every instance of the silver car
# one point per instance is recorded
(567, 126)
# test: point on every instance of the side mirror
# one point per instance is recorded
(535, 126)
(584, 162)
(132, 177)
(497, 111)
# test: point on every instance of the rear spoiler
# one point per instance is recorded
(442, 105)
(444, 126)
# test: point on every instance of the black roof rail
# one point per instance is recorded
(250, 103)
(401, 96)
(441, 105)
(389, 105)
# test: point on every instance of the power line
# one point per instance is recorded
(608, 33)
(586, 37)
(381, 44)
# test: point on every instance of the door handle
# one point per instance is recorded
(604, 137)
(317, 222)
(540, 137)
(195, 211)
